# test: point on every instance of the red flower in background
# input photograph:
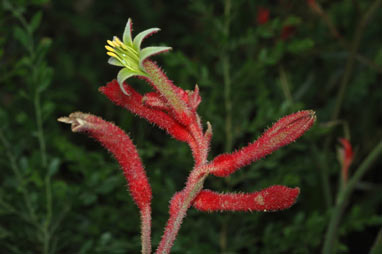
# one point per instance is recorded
(262, 16)
(346, 156)
(287, 32)
(314, 6)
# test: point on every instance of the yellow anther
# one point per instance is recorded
(124, 46)
(112, 54)
(109, 48)
(117, 41)
(110, 43)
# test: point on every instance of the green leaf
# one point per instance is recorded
(142, 35)
(299, 46)
(124, 74)
(292, 21)
(22, 36)
(150, 51)
(54, 166)
(127, 33)
(35, 21)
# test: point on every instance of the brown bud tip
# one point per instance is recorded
(77, 120)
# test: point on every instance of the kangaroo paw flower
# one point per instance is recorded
(285, 131)
(120, 145)
(129, 55)
(270, 199)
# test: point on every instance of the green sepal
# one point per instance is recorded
(149, 51)
(126, 37)
(141, 36)
(124, 74)
(114, 61)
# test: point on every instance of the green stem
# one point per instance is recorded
(40, 131)
(343, 198)
(353, 53)
(285, 86)
(348, 71)
(344, 43)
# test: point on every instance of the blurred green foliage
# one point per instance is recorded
(61, 193)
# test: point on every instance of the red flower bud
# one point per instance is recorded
(346, 156)
(287, 32)
(286, 130)
(262, 16)
(270, 199)
(120, 145)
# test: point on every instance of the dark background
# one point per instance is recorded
(62, 193)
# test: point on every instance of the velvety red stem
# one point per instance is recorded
(179, 205)
(285, 131)
(270, 199)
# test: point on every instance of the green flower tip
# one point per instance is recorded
(129, 55)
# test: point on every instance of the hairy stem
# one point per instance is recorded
(191, 190)
(166, 89)
(146, 230)
(343, 198)
(193, 186)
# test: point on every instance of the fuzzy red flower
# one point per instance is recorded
(262, 16)
(120, 145)
(287, 31)
(285, 131)
(136, 103)
(270, 199)
(346, 156)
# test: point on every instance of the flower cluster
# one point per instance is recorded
(175, 110)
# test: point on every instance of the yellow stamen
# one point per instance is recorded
(112, 54)
(110, 43)
(109, 48)
(124, 46)
(117, 41)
